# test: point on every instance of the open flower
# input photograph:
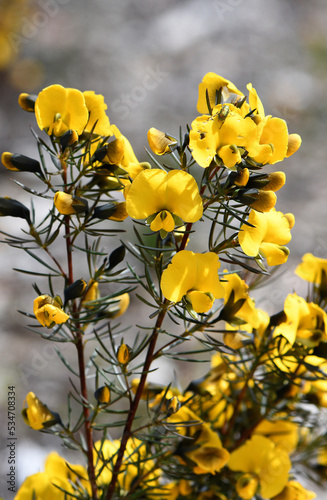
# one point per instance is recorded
(210, 85)
(268, 234)
(37, 415)
(267, 463)
(98, 122)
(159, 142)
(58, 109)
(48, 311)
(160, 197)
(312, 268)
(58, 477)
(193, 276)
(238, 304)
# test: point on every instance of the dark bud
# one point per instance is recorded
(74, 291)
(13, 208)
(27, 102)
(68, 139)
(20, 163)
(105, 211)
(116, 257)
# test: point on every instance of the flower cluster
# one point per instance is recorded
(239, 431)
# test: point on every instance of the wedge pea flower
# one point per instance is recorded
(48, 311)
(37, 415)
(295, 491)
(164, 199)
(160, 142)
(58, 109)
(267, 235)
(58, 477)
(98, 122)
(211, 84)
(194, 277)
(238, 305)
(312, 269)
(266, 462)
(305, 322)
(67, 204)
(20, 163)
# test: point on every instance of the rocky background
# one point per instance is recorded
(147, 58)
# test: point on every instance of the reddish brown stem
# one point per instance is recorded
(135, 403)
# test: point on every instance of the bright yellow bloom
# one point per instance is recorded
(222, 136)
(48, 311)
(58, 474)
(98, 121)
(63, 203)
(305, 322)
(312, 268)
(267, 462)
(270, 233)
(246, 486)
(294, 142)
(211, 84)
(58, 109)
(209, 454)
(129, 161)
(237, 290)
(295, 491)
(195, 277)
(284, 433)
(159, 142)
(160, 196)
(37, 415)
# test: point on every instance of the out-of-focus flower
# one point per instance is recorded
(160, 197)
(48, 311)
(37, 415)
(295, 491)
(268, 234)
(305, 322)
(27, 101)
(284, 433)
(294, 142)
(195, 277)
(118, 306)
(58, 109)
(312, 268)
(92, 294)
(14, 208)
(59, 477)
(246, 486)
(159, 142)
(237, 302)
(265, 461)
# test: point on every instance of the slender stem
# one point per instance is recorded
(135, 403)
(80, 354)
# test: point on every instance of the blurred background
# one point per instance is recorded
(147, 57)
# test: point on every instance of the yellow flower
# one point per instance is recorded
(222, 136)
(267, 462)
(270, 233)
(305, 322)
(92, 295)
(295, 491)
(129, 161)
(294, 142)
(284, 433)
(58, 109)
(48, 311)
(58, 474)
(236, 291)
(20, 163)
(27, 101)
(211, 84)
(159, 142)
(124, 354)
(37, 415)
(312, 268)
(102, 395)
(195, 277)
(160, 196)
(246, 486)
(209, 454)
(98, 121)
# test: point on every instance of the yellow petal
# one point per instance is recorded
(311, 268)
(97, 114)
(201, 302)
(294, 142)
(63, 203)
(159, 142)
(275, 254)
(265, 201)
(211, 83)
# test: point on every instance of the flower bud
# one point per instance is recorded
(124, 354)
(118, 307)
(247, 486)
(104, 211)
(294, 142)
(102, 395)
(13, 208)
(37, 415)
(68, 139)
(265, 201)
(172, 405)
(91, 295)
(116, 257)
(114, 152)
(20, 163)
(276, 180)
(242, 178)
(291, 219)
(120, 212)
(67, 204)
(159, 142)
(27, 101)
(48, 311)
(74, 290)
